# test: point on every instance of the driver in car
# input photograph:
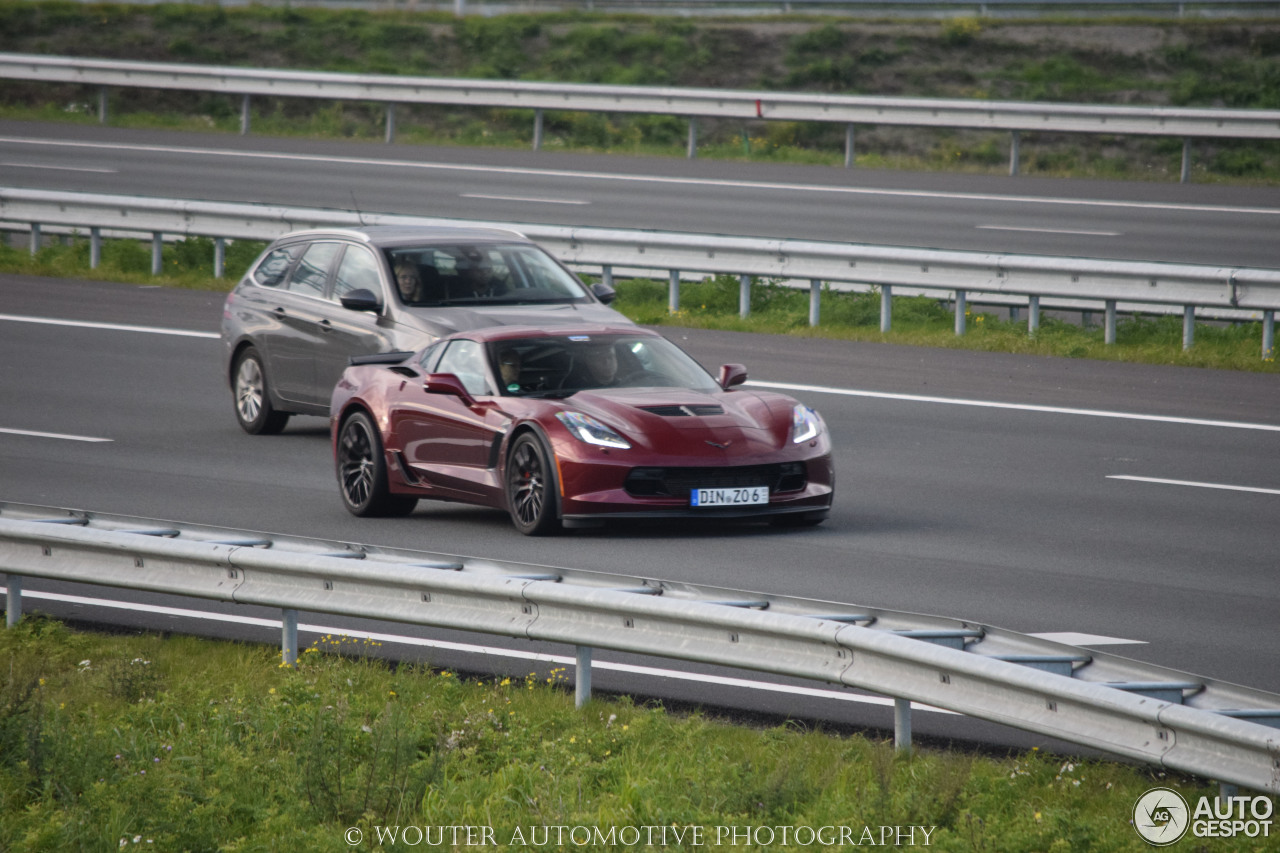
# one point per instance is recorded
(477, 278)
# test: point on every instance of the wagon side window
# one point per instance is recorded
(273, 268)
(311, 276)
(358, 271)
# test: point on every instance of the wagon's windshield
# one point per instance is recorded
(564, 365)
(481, 274)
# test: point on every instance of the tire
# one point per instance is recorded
(531, 487)
(362, 472)
(252, 397)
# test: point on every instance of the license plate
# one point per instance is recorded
(729, 497)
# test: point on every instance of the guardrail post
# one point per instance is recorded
(693, 138)
(582, 678)
(902, 725)
(815, 298)
(36, 238)
(244, 116)
(289, 636)
(219, 256)
(1227, 791)
(886, 307)
(12, 600)
(157, 253)
(391, 123)
(537, 130)
(960, 309)
(1109, 325)
(606, 275)
(1269, 334)
(1033, 314)
(1186, 160)
(1015, 154)
(848, 146)
(744, 296)
(102, 105)
(1188, 326)
(95, 247)
(673, 292)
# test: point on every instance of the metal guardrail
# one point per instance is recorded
(1153, 714)
(1014, 117)
(960, 276)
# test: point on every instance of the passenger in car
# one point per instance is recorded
(408, 282)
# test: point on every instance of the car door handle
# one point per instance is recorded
(325, 325)
(279, 310)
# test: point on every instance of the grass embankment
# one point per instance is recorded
(713, 304)
(138, 742)
(1189, 62)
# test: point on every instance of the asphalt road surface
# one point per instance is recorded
(977, 486)
(1211, 224)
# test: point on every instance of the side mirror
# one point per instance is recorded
(447, 383)
(604, 292)
(361, 299)
(731, 375)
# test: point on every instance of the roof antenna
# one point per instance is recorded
(355, 205)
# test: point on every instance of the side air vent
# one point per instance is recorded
(698, 411)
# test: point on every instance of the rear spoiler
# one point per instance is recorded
(380, 358)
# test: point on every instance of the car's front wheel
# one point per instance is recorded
(254, 411)
(531, 487)
(362, 472)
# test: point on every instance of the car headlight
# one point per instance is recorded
(806, 424)
(588, 429)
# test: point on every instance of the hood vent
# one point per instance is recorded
(693, 411)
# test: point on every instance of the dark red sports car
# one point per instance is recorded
(572, 427)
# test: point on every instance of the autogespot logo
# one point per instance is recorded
(1161, 817)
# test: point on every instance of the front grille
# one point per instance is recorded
(701, 410)
(677, 482)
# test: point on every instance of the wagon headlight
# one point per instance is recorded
(588, 429)
(806, 424)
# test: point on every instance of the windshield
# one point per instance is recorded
(481, 274)
(563, 365)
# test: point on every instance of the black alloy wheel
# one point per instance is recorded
(362, 472)
(254, 411)
(531, 487)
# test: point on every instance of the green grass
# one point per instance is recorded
(147, 743)
(713, 304)
(1227, 63)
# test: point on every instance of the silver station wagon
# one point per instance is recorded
(314, 299)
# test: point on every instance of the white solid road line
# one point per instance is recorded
(117, 327)
(1023, 407)
(1224, 486)
(530, 199)
(61, 168)
(784, 386)
(649, 179)
(1074, 638)
(468, 648)
(60, 435)
(1070, 231)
